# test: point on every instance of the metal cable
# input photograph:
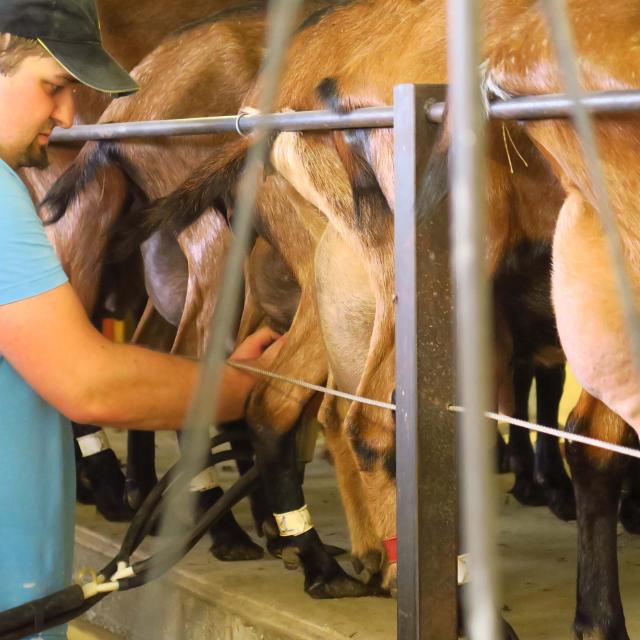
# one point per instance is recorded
(558, 433)
(314, 387)
(498, 417)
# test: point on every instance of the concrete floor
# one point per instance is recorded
(205, 598)
(81, 630)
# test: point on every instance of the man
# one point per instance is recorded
(53, 362)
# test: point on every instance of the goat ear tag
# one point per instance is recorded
(294, 523)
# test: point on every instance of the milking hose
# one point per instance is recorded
(58, 608)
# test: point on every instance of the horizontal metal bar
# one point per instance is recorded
(523, 108)
(560, 106)
(370, 117)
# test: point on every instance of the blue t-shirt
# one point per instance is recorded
(37, 471)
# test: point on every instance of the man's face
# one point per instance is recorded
(36, 97)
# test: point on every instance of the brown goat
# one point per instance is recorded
(113, 178)
(323, 168)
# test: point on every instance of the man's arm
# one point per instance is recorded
(49, 340)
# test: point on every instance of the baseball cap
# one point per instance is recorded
(69, 31)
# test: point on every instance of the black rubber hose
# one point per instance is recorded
(162, 561)
(56, 621)
(32, 615)
(142, 521)
(65, 605)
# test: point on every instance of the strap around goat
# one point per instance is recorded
(391, 547)
(294, 523)
(93, 443)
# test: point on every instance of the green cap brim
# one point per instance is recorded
(90, 64)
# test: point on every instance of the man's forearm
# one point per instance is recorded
(143, 389)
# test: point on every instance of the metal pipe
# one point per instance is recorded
(467, 161)
(522, 108)
(370, 117)
(547, 107)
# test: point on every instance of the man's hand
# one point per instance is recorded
(263, 345)
(259, 350)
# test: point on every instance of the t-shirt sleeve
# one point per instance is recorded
(28, 263)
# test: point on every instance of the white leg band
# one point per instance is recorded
(205, 480)
(93, 443)
(294, 523)
(463, 569)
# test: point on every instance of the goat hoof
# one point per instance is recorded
(341, 586)
(234, 546)
(562, 503)
(630, 514)
(236, 551)
(611, 629)
(509, 633)
(528, 493)
(290, 557)
(369, 563)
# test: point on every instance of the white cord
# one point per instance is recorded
(499, 417)
(558, 433)
(314, 387)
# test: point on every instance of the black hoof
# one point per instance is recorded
(290, 557)
(136, 491)
(341, 586)
(562, 503)
(614, 631)
(237, 549)
(630, 514)
(528, 493)
(509, 633)
(285, 549)
(368, 565)
(114, 512)
(231, 543)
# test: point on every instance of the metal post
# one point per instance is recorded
(425, 431)
(468, 194)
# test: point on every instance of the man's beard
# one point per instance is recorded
(34, 156)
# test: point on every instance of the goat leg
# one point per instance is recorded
(597, 478)
(521, 455)
(550, 472)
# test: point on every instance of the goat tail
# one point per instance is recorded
(353, 149)
(82, 171)
(211, 185)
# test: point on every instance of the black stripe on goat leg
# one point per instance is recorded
(276, 457)
(260, 511)
(141, 466)
(630, 503)
(521, 456)
(550, 472)
(100, 480)
(597, 479)
(229, 541)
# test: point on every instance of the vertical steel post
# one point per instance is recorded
(468, 194)
(425, 433)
